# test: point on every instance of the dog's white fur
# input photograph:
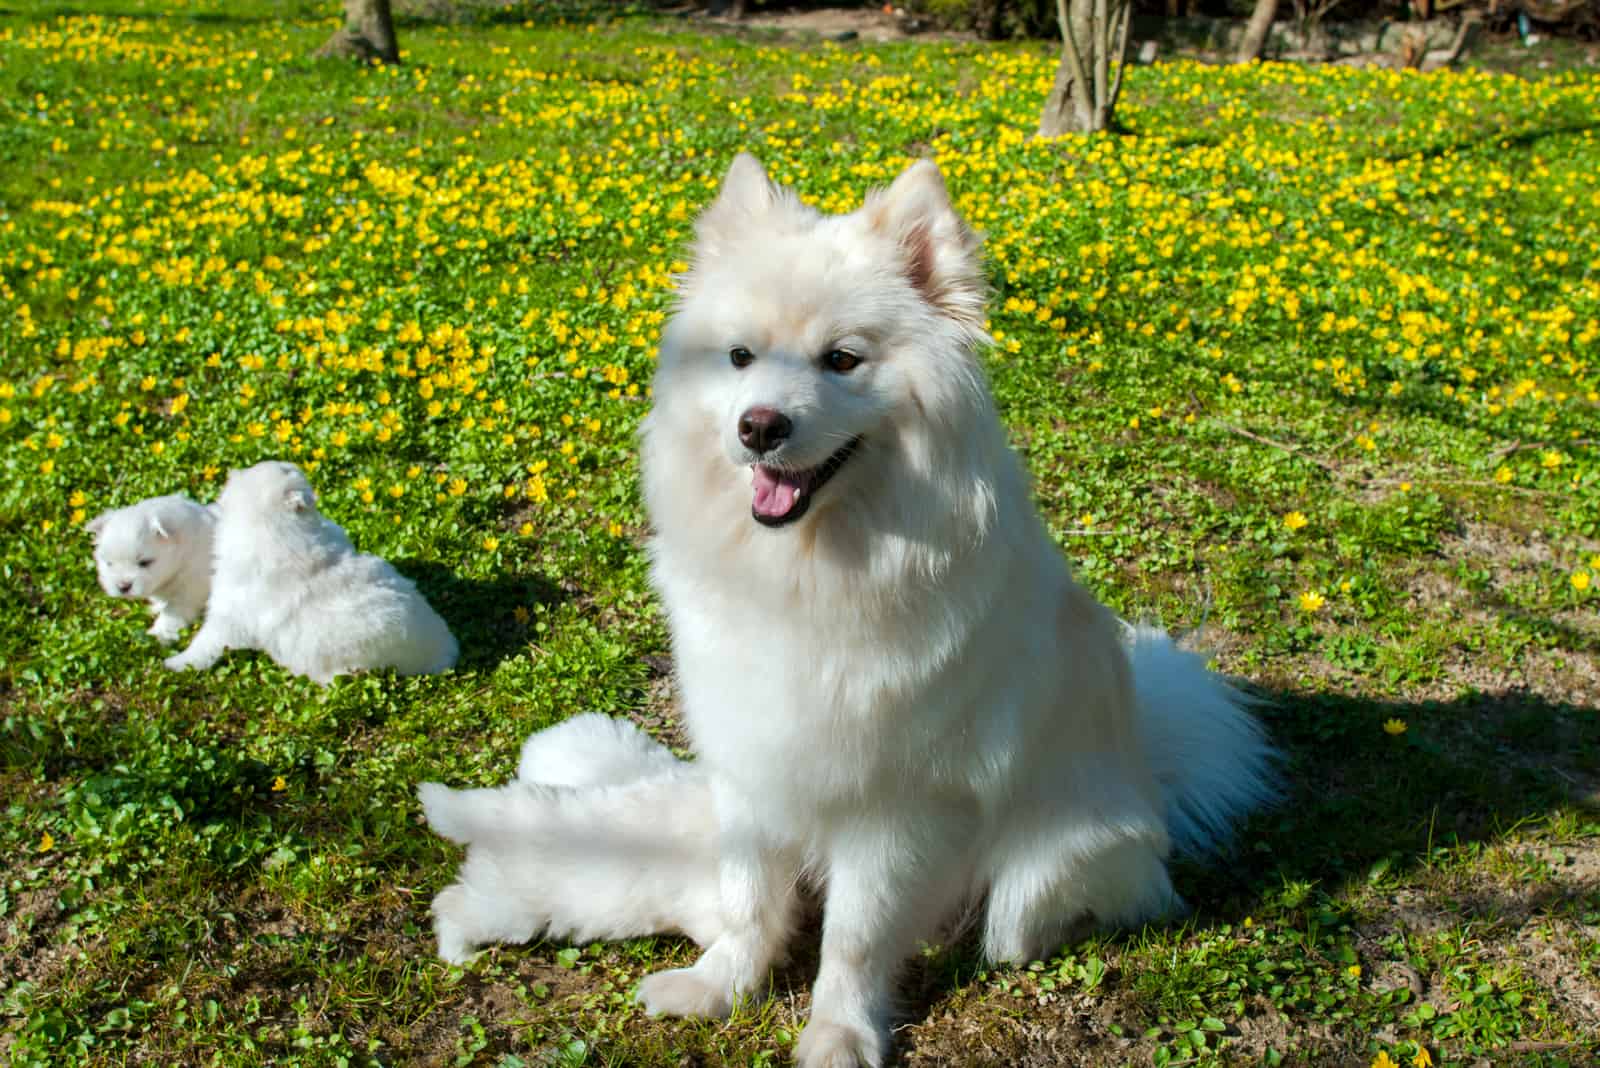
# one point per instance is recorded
(287, 581)
(903, 693)
(158, 550)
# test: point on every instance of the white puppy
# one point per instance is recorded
(891, 680)
(288, 581)
(557, 851)
(158, 550)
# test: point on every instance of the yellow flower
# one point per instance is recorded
(525, 529)
(458, 487)
(1503, 474)
(78, 499)
(1354, 971)
(1383, 1060)
(1580, 580)
(1312, 601)
(47, 842)
(1552, 460)
(520, 614)
(278, 784)
(615, 529)
(491, 544)
(1422, 1059)
(1394, 726)
(1295, 520)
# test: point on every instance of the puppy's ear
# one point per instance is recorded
(939, 250)
(160, 527)
(298, 500)
(747, 196)
(97, 524)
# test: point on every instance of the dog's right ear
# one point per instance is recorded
(97, 524)
(297, 500)
(747, 195)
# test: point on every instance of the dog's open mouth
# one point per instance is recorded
(783, 495)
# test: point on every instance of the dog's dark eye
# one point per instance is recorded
(840, 360)
(146, 563)
(741, 356)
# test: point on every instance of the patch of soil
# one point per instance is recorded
(875, 24)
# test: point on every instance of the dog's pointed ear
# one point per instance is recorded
(746, 189)
(940, 250)
(98, 523)
(747, 195)
(159, 527)
(298, 500)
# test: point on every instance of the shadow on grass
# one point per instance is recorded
(482, 614)
(1462, 771)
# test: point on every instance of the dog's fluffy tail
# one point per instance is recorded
(617, 840)
(1209, 753)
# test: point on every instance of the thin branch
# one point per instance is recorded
(1524, 446)
(1070, 51)
(1290, 449)
(1101, 29)
(1122, 55)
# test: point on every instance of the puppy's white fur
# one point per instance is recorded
(287, 581)
(902, 691)
(158, 550)
(562, 851)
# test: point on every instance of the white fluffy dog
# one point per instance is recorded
(891, 680)
(288, 581)
(158, 550)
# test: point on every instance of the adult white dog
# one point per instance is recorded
(890, 678)
(158, 550)
(287, 581)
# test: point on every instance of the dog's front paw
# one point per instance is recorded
(165, 630)
(451, 926)
(684, 992)
(825, 1044)
(178, 662)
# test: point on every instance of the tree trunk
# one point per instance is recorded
(1094, 48)
(1256, 32)
(367, 33)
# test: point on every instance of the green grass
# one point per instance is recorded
(1365, 299)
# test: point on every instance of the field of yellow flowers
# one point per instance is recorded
(1310, 355)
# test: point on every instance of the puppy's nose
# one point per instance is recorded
(763, 429)
(124, 587)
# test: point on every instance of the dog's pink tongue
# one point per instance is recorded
(776, 492)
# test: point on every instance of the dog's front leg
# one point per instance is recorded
(169, 621)
(209, 643)
(891, 879)
(758, 879)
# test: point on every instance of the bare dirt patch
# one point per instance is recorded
(879, 25)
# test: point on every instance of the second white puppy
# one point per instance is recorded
(158, 550)
(288, 581)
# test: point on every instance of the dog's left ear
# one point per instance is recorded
(298, 500)
(97, 524)
(940, 250)
(159, 529)
(747, 197)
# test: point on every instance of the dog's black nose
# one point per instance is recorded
(124, 587)
(762, 429)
